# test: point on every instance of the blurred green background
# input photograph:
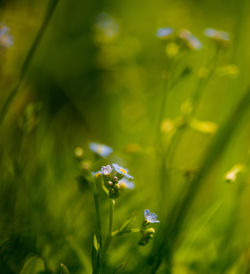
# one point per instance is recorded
(86, 89)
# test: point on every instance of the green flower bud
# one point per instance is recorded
(86, 165)
(78, 152)
(110, 183)
(149, 233)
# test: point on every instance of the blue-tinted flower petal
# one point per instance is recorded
(106, 170)
(150, 217)
(194, 43)
(100, 149)
(164, 33)
(96, 174)
(122, 171)
(124, 183)
(6, 39)
(107, 25)
(189, 40)
(217, 35)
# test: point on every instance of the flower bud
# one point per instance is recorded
(110, 183)
(149, 233)
(78, 152)
(172, 49)
(86, 165)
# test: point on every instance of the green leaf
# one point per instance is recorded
(64, 269)
(206, 127)
(126, 227)
(96, 244)
(33, 265)
(80, 254)
(120, 267)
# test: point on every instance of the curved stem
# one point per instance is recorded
(49, 12)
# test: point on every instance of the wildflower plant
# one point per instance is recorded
(113, 179)
(170, 243)
(221, 38)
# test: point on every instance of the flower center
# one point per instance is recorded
(99, 149)
(123, 170)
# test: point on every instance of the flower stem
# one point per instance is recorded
(99, 227)
(111, 217)
(110, 234)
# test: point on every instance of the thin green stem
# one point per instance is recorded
(99, 226)
(176, 219)
(161, 114)
(49, 12)
(132, 230)
(110, 236)
(203, 81)
(110, 232)
(164, 151)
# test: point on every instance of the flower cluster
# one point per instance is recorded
(185, 40)
(146, 231)
(175, 42)
(115, 178)
(112, 178)
(221, 38)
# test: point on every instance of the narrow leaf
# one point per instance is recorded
(33, 265)
(64, 269)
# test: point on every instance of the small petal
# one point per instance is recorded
(150, 217)
(106, 170)
(189, 40)
(164, 33)
(100, 149)
(124, 183)
(96, 174)
(122, 171)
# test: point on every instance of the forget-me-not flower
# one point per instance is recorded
(100, 149)
(122, 171)
(124, 183)
(6, 39)
(194, 42)
(190, 40)
(107, 25)
(164, 33)
(217, 35)
(150, 217)
(106, 170)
